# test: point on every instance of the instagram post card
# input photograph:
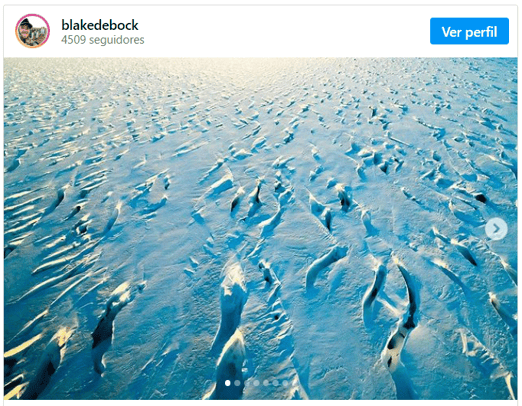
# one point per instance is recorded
(260, 202)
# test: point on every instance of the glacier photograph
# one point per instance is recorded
(260, 228)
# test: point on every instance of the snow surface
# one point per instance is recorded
(309, 228)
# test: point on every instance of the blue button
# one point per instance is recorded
(469, 31)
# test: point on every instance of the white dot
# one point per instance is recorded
(256, 383)
(285, 383)
(275, 382)
(227, 383)
(266, 383)
(237, 382)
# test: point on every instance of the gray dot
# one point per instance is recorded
(285, 383)
(237, 382)
(266, 383)
(227, 383)
(256, 383)
(275, 382)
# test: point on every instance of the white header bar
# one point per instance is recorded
(252, 31)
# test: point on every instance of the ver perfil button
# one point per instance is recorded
(469, 31)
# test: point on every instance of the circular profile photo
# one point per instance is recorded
(32, 30)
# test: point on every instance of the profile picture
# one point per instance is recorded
(32, 31)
